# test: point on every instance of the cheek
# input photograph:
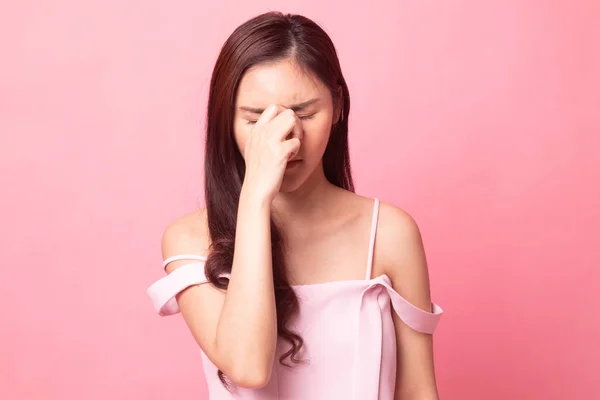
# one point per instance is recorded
(315, 141)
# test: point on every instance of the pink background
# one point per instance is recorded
(481, 118)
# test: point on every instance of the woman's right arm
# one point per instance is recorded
(237, 328)
(246, 334)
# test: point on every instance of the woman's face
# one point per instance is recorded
(285, 84)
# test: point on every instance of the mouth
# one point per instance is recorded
(293, 163)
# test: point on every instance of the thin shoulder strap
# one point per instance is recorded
(372, 239)
(183, 257)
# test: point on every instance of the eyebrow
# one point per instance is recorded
(295, 107)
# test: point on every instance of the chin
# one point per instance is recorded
(292, 182)
(295, 179)
(290, 185)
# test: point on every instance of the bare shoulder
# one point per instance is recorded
(187, 234)
(400, 254)
(396, 231)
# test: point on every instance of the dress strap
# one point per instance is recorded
(372, 238)
(183, 257)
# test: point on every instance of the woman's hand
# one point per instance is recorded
(274, 140)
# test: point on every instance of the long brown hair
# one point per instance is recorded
(269, 37)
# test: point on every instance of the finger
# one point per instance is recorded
(286, 124)
(270, 112)
(297, 131)
(290, 148)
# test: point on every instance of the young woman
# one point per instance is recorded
(293, 286)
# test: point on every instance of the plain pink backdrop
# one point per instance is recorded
(480, 118)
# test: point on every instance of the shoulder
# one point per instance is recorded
(400, 254)
(396, 230)
(187, 234)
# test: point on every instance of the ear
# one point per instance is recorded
(338, 103)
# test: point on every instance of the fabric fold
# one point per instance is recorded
(162, 292)
(368, 346)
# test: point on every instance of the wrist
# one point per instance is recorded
(254, 201)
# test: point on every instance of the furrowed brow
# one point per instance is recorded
(295, 107)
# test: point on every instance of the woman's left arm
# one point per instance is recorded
(403, 260)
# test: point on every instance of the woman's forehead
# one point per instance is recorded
(278, 83)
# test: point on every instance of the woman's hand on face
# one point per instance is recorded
(273, 141)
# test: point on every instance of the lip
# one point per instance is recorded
(293, 163)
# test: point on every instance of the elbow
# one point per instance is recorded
(250, 377)
(246, 366)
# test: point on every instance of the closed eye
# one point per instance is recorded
(302, 118)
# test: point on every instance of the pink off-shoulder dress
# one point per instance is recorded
(348, 332)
